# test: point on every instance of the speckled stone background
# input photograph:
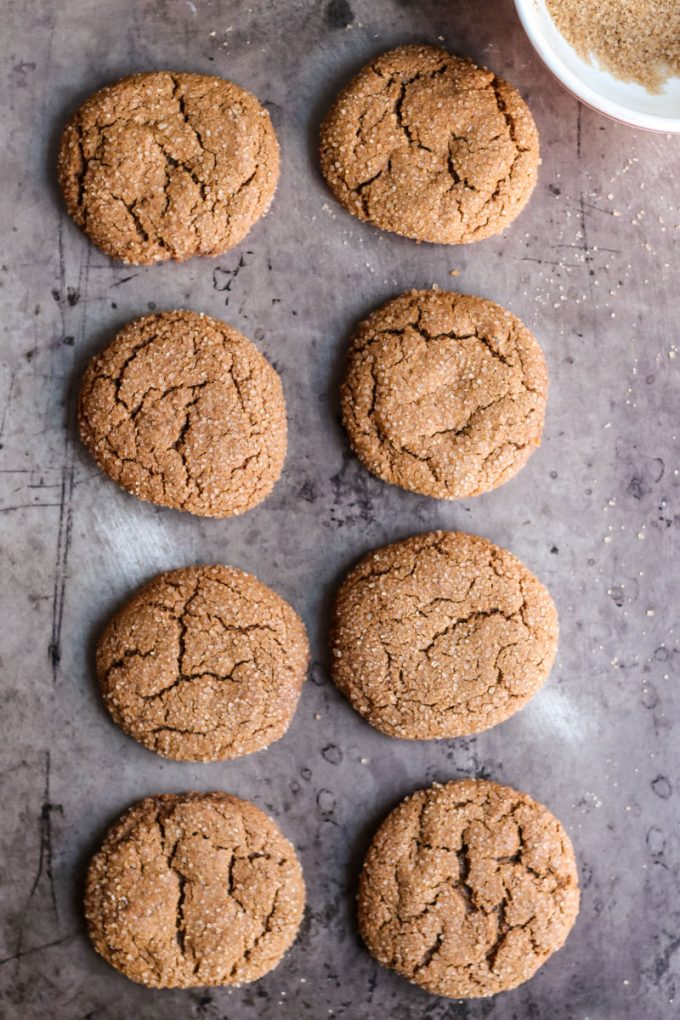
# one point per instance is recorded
(591, 266)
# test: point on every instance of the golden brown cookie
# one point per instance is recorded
(431, 146)
(167, 165)
(181, 410)
(441, 635)
(203, 664)
(445, 394)
(468, 888)
(194, 889)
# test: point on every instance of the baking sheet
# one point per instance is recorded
(591, 267)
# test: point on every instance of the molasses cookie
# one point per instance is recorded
(194, 889)
(441, 635)
(431, 146)
(181, 410)
(468, 888)
(165, 166)
(445, 394)
(203, 664)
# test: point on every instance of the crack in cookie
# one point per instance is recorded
(441, 635)
(203, 664)
(468, 888)
(166, 166)
(194, 889)
(428, 145)
(181, 410)
(444, 394)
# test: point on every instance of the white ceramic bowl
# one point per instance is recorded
(623, 101)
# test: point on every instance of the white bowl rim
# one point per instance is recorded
(591, 97)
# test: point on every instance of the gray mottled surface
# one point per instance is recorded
(595, 513)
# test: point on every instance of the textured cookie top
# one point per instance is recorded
(429, 145)
(468, 888)
(204, 663)
(194, 889)
(180, 409)
(441, 635)
(165, 166)
(445, 394)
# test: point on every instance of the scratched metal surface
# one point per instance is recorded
(595, 513)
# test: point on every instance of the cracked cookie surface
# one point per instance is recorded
(444, 394)
(203, 664)
(429, 145)
(441, 635)
(168, 165)
(194, 889)
(468, 888)
(181, 410)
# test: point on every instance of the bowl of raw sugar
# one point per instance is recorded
(620, 57)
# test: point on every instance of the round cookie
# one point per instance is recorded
(166, 165)
(203, 664)
(441, 635)
(445, 394)
(468, 888)
(429, 145)
(181, 410)
(194, 889)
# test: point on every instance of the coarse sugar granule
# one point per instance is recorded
(636, 40)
